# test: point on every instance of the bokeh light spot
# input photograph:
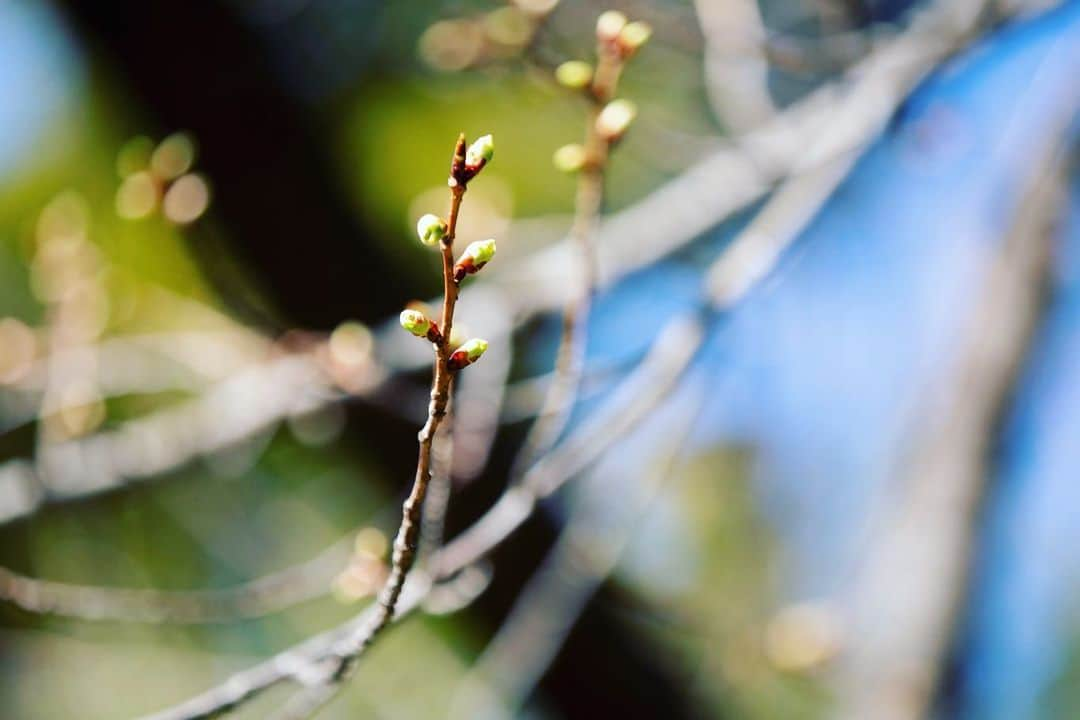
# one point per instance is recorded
(186, 199)
(137, 196)
(173, 157)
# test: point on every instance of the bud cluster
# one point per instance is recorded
(615, 31)
(618, 39)
(433, 230)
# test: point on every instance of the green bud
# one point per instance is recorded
(415, 322)
(431, 229)
(633, 36)
(615, 118)
(569, 158)
(480, 251)
(609, 25)
(467, 354)
(476, 256)
(474, 348)
(574, 74)
(480, 152)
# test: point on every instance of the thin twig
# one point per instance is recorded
(405, 542)
(588, 204)
(347, 652)
(266, 595)
(438, 496)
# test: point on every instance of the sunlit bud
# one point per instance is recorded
(633, 36)
(431, 229)
(574, 74)
(609, 25)
(418, 324)
(467, 354)
(480, 153)
(615, 118)
(569, 158)
(415, 322)
(476, 256)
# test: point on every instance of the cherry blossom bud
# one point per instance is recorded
(615, 118)
(476, 255)
(574, 74)
(569, 158)
(431, 229)
(418, 324)
(467, 354)
(632, 37)
(479, 154)
(609, 25)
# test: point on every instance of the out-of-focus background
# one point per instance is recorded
(855, 498)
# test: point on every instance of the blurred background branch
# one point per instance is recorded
(823, 247)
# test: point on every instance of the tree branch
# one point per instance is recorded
(913, 577)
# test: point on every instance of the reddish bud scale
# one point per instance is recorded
(466, 266)
(466, 165)
(459, 174)
(433, 334)
(469, 352)
(465, 173)
(458, 359)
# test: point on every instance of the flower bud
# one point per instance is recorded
(569, 158)
(431, 229)
(415, 322)
(479, 153)
(615, 118)
(574, 74)
(609, 25)
(476, 256)
(632, 37)
(467, 354)
(418, 324)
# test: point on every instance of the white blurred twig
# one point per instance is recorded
(736, 63)
(913, 575)
(269, 594)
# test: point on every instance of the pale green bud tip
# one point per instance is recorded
(615, 118)
(574, 74)
(474, 348)
(610, 24)
(415, 322)
(634, 35)
(431, 229)
(480, 251)
(480, 151)
(569, 158)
